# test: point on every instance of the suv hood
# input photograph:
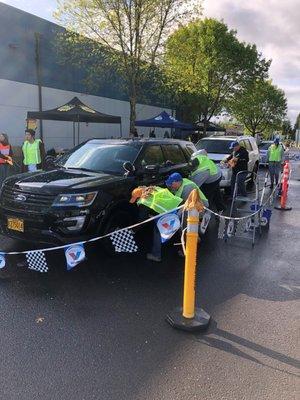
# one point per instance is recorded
(62, 180)
(217, 157)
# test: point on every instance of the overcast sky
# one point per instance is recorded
(274, 25)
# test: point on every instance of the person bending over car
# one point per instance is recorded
(207, 176)
(154, 200)
(182, 187)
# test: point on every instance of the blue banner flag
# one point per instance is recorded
(2, 260)
(75, 254)
(168, 225)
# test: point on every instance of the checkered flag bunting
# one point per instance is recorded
(124, 242)
(36, 261)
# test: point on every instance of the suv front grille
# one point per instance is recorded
(17, 199)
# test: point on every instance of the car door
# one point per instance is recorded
(243, 143)
(176, 160)
(255, 150)
(252, 155)
(149, 165)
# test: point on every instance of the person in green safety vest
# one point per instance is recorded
(275, 157)
(207, 176)
(33, 152)
(182, 187)
(154, 200)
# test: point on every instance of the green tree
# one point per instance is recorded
(286, 129)
(205, 60)
(125, 35)
(261, 107)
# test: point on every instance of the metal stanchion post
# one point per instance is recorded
(188, 317)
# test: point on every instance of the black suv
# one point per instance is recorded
(88, 191)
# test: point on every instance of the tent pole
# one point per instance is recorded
(39, 78)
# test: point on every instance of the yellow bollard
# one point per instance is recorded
(188, 317)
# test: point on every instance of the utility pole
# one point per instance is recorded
(39, 76)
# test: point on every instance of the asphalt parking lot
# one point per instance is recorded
(99, 331)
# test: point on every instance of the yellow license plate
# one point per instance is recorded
(15, 224)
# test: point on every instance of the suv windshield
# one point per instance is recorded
(99, 157)
(214, 146)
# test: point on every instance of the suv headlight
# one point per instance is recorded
(77, 200)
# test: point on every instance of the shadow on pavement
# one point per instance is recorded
(222, 339)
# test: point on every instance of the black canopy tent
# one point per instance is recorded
(197, 131)
(75, 111)
(211, 127)
(163, 120)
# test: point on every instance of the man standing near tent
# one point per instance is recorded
(33, 152)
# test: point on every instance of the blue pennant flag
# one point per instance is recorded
(75, 254)
(168, 225)
(2, 260)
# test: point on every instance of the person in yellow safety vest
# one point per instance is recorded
(182, 187)
(207, 176)
(275, 157)
(159, 200)
(33, 152)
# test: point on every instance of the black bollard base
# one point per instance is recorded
(283, 209)
(200, 321)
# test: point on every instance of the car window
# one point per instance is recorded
(174, 154)
(217, 146)
(99, 157)
(153, 155)
(248, 145)
(242, 143)
(190, 149)
(264, 145)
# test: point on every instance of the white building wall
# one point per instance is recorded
(17, 98)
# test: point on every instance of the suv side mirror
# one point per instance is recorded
(129, 168)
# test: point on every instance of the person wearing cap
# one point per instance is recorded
(238, 160)
(151, 201)
(182, 187)
(275, 157)
(207, 176)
